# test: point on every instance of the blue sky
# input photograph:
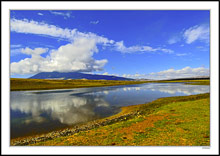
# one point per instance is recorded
(132, 43)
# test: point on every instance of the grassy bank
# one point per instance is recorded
(173, 121)
(43, 84)
(17, 84)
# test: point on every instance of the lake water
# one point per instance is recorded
(35, 112)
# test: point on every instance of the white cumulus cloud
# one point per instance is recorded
(76, 56)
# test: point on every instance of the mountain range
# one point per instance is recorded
(75, 75)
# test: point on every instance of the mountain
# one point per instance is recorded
(75, 75)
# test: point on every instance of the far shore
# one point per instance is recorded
(21, 84)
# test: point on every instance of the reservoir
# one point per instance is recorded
(41, 111)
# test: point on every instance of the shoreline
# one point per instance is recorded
(126, 113)
(121, 116)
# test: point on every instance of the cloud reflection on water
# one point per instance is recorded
(171, 88)
(74, 106)
(67, 109)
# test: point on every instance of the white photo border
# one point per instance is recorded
(131, 5)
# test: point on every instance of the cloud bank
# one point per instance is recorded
(172, 73)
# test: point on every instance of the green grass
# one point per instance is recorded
(18, 84)
(189, 124)
(171, 121)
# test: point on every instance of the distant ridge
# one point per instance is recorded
(75, 75)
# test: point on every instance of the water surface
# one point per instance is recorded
(35, 112)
